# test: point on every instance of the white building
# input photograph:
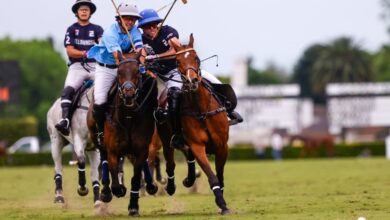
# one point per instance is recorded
(265, 108)
(358, 105)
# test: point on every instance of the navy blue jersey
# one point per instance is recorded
(160, 45)
(82, 38)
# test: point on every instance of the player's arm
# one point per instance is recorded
(74, 53)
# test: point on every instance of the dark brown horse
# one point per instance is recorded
(204, 122)
(128, 130)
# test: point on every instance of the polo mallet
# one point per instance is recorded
(163, 7)
(123, 24)
(173, 4)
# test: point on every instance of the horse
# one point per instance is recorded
(313, 142)
(128, 129)
(204, 122)
(81, 143)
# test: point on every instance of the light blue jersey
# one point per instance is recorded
(114, 40)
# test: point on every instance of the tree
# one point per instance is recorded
(303, 69)
(341, 61)
(43, 71)
(381, 64)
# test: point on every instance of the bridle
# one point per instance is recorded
(188, 83)
(128, 84)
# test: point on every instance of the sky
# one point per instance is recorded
(276, 31)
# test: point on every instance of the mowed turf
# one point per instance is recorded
(290, 189)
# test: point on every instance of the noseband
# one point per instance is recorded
(127, 85)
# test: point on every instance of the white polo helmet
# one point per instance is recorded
(127, 9)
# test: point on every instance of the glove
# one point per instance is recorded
(85, 56)
(152, 57)
(142, 69)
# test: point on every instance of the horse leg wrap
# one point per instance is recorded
(219, 200)
(134, 193)
(81, 172)
(58, 182)
(105, 173)
(191, 169)
(96, 189)
(158, 168)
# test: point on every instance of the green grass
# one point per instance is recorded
(292, 189)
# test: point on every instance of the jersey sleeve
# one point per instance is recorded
(99, 33)
(69, 37)
(171, 33)
(137, 38)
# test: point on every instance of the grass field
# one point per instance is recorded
(292, 189)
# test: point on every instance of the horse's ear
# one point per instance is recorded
(191, 44)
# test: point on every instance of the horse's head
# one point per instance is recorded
(128, 78)
(188, 64)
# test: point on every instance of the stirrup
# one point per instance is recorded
(63, 126)
(160, 115)
(177, 141)
(235, 118)
(100, 138)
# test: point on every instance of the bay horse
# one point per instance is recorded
(313, 142)
(128, 129)
(81, 141)
(204, 122)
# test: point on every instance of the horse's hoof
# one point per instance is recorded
(198, 173)
(134, 212)
(162, 181)
(225, 212)
(106, 195)
(170, 189)
(59, 199)
(106, 198)
(119, 191)
(187, 183)
(82, 191)
(151, 188)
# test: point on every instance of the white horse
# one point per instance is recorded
(79, 137)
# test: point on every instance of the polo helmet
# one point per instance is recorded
(79, 3)
(149, 16)
(127, 9)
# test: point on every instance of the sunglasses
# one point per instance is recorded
(149, 26)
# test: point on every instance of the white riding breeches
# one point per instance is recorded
(77, 74)
(210, 77)
(176, 81)
(104, 78)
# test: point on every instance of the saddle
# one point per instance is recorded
(223, 93)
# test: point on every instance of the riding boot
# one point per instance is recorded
(235, 118)
(174, 94)
(99, 112)
(66, 102)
